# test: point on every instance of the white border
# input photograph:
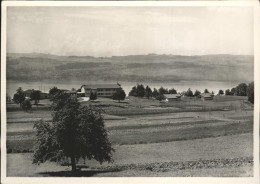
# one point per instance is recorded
(131, 180)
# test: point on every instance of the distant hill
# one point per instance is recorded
(132, 68)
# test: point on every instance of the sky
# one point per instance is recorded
(112, 31)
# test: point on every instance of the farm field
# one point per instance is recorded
(152, 138)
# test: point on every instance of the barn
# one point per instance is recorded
(172, 97)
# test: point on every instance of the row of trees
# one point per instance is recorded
(241, 90)
(25, 104)
(141, 91)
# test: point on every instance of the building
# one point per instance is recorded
(102, 90)
(172, 97)
(206, 96)
(28, 92)
(73, 94)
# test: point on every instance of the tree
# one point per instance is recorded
(133, 91)
(221, 92)
(35, 95)
(206, 91)
(250, 92)
(233, 91)
(53, 91)
(148, 92)
(119, 95)
(26, 105)
(241, 90)
(92, 96)
(160, 97)
(197, 93)
(189, 93)
(227, 92)
(172, 91)
(140, 91)
(8, 98)
(75, 132)
(155, 93)
(163, 90)
(19, 96)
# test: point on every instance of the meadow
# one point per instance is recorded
(186, 138)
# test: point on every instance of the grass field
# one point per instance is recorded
(145, 131)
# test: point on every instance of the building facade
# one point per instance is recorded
(102, 90)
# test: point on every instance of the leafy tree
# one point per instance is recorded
(75, 132)
(241, 90)
(133, 91)
(197, 93)
(26, 105)
(172, 91)
(227, 92)
(8, 98)
(233, 91)
(92, 96)
(206, 91)
(19, 96)
(148, 92)
(163, 90)
(221, 92)
(155, 93)
(160, 97)
(119, 95)
(35, 95)
(140, 91)
(53, 91)
(189, 93)
(250, 92)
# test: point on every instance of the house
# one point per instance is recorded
(102, 90)
(28, 92)
(172, 97)
(206, 96)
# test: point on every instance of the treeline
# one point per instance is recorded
(240, 90)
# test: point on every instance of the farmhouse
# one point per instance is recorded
(206, 96)
(102, 90)
(172, 97)
(28, 92)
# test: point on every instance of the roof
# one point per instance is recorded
(95, 86)
(172, 95)
(206, 95)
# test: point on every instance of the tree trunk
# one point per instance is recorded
(73, 165)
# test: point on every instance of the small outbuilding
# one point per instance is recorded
(206, 96)
(172, 97)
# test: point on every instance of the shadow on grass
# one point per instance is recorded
(79, 173)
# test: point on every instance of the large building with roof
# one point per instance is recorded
(102, 90)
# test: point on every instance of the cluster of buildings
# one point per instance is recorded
(178, 96)
(101, 90)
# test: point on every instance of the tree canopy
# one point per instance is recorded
(75, 132)
(119, 95)
(241, 90)
(92, 96)
(19, 96)
(35, 95)
(189, 93)
(250, 92)
(148, 92)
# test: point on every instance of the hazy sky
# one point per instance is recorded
(107, 31)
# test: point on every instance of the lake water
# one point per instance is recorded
(214, 86)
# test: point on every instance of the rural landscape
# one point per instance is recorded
(154, 92)
(151, 134)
